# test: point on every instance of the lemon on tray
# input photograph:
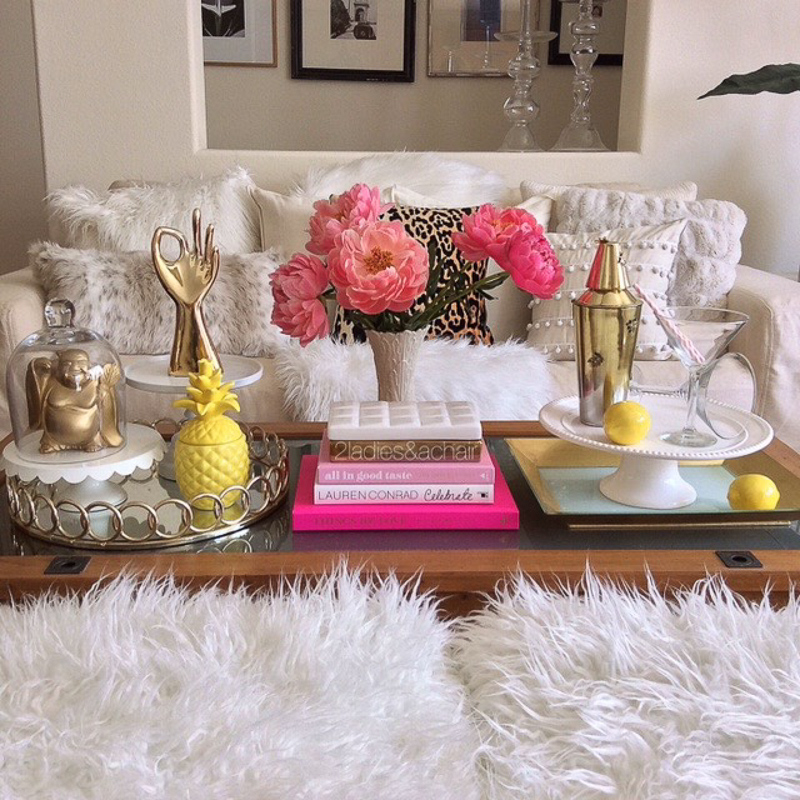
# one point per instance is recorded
(626, 423)
(753, 493)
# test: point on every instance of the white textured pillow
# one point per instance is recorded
(448, 183)
(124, 219)
(686, 190)
(649, 254)
(119, 296)
(709, 250)
(283, 220)
(505, 381)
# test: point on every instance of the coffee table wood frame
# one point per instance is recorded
(459, 578)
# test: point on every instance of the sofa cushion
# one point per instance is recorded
(505, 381)
(463, 319)
(119, 296)
(125, 218)
(649, 255)
(709, 249)
(685, 190)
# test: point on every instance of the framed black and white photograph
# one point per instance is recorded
(610, 39)
(353, 40)
(474, 38)
(240, 32)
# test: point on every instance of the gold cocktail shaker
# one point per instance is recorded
(606, 324)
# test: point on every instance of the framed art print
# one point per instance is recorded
(240, 32)
(353, 40)
(610, 39)
(474, 38)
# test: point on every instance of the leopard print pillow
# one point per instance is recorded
(464, 319)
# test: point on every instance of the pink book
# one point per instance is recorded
(500, 515)
(419, 472)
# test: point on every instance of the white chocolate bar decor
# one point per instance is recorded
(398, 421)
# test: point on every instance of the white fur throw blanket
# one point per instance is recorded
(441, 180)
(504, 381)
(709, 249)
(119, 296)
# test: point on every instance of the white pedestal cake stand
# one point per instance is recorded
(151, 374)
(84, 482)
(648, 476)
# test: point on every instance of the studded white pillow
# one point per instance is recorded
(649, 253)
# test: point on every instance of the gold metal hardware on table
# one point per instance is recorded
(188, 280)
(73, 402)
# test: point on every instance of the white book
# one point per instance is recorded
(403, 493)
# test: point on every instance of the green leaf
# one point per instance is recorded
(777, 78)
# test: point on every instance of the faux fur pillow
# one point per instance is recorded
(709, 249)
(119, 296)
(447, 182)
(124, 219)
(505, 381)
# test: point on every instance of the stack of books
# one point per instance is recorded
(403, 466)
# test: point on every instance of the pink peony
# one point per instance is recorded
(530, 261)
(358, 206)
(377, 268)
(302, 278)
(305, 320)
(488, 226)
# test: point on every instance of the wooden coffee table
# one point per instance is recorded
(457, 566)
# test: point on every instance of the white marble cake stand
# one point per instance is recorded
(151, 374)
(88, 481)
(648, 476)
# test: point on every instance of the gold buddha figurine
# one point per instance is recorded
(73, 402)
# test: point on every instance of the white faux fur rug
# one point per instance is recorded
(340, 692)
(617, 695)
(505, 381)
(343, 692)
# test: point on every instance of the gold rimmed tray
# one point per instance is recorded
(155, 514)
(564, 478)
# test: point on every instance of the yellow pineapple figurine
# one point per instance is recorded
(211, 453)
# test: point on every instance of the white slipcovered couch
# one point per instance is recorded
(769, 340)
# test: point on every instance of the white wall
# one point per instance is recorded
(21, 168)
(112, 107)
(259, 108)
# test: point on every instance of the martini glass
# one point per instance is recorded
(698, 336)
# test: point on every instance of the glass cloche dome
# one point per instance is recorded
(66, 392)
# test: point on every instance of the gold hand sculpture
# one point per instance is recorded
(188, 280)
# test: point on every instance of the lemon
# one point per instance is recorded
(753, 493)
(626, 423)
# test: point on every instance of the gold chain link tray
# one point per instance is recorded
(155, 515)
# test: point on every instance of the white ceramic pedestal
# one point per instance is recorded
(89, 481)
(151, 374)
(648, 475)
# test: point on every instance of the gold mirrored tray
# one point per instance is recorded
(155, 513)
(564, 478)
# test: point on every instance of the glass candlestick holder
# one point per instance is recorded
(580, 133)
(521, 109)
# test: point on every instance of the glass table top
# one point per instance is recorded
(539, 529)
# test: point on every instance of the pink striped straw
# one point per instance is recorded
(667, 324)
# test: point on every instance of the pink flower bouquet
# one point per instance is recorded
(377, 272)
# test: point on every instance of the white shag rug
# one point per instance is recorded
(505, 381)
(610, 694)
(341, 692)
(351, 692)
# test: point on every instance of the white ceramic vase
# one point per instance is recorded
(395, 357)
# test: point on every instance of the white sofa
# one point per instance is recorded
(770, 341)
